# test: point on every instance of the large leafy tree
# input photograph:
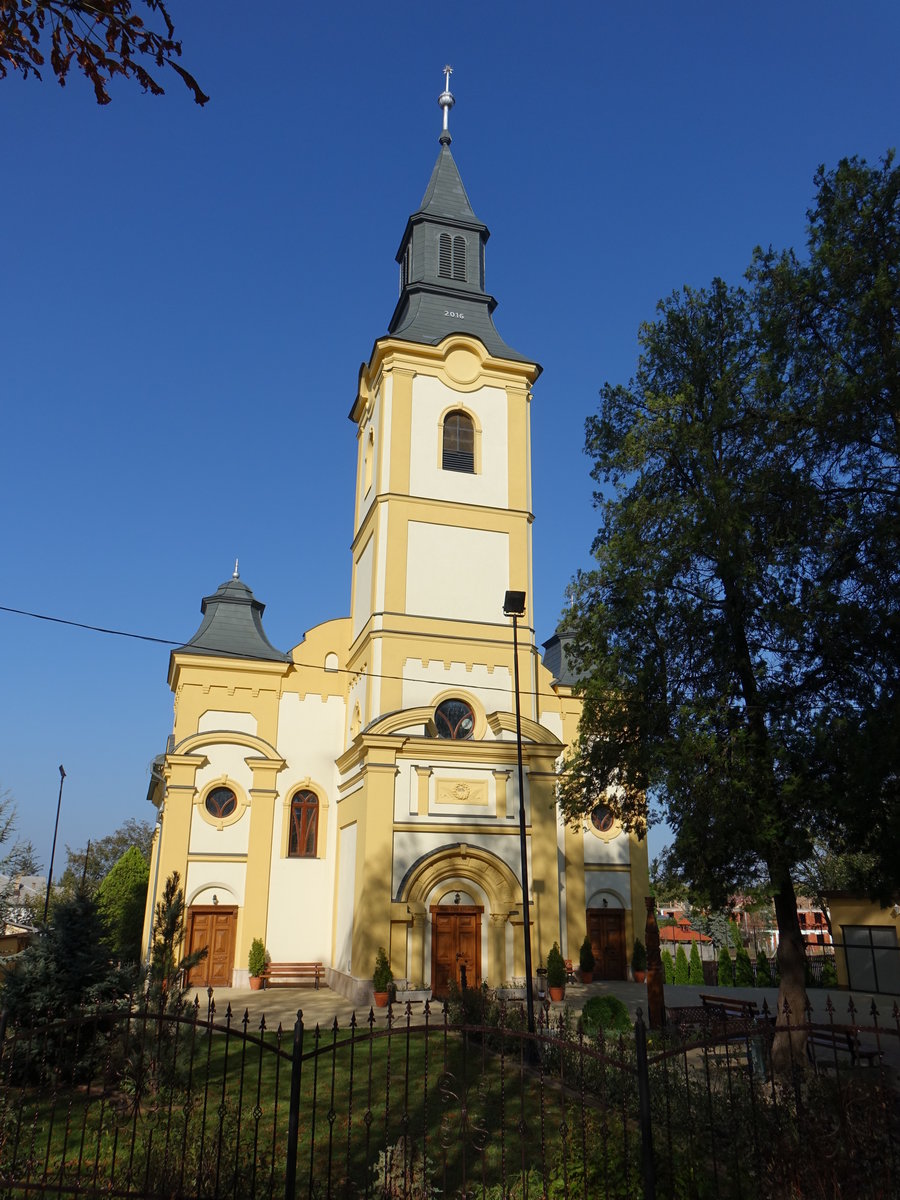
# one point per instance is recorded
(101, 38)
(89, 865)
(740, 622)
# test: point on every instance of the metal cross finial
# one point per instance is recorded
(236, 574)
(446, 101)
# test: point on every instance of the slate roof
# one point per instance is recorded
(232, 626)
(556, 658)
(433, 306)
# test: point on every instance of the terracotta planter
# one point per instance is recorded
(556, 993)
(381, 999)
(587, 976)
(640, 976)
(255, 983)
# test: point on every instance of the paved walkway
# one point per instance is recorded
(323, 1006)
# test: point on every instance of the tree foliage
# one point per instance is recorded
(682, 969)
(739, 626)
(89, 865)
(102, 38)
(66, 966)
(169, 967)
(122, 897)
(696, 967)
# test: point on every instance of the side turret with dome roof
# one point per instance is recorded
(232, 625)
(441, 259)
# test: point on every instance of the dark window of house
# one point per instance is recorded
(221, 802)
(304, 825)
(458, 448)
(454, 720)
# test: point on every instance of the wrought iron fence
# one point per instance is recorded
(456, 1101)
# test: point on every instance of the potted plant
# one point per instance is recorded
(382, 977)
(586, 960)
(556, 973)
(256, 961)
(639, 961)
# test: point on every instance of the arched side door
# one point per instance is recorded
(606, 931)
(215, 927)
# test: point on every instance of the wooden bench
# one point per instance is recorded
(293, 974)
(836, 1041)
(732, 1008)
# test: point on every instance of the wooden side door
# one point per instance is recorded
(606, 930)
(215, 929)
(455, 941)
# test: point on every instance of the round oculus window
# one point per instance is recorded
(602, 818)
(221, 802)
(454, 720)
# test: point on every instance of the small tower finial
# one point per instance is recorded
(236, 574)
(446, 101)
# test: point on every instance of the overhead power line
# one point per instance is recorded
(145, 637)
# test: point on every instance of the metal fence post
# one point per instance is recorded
(290, 1170)
(648, 1167)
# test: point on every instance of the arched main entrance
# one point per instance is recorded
(455, 946)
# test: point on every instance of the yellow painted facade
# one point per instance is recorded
(414, 827)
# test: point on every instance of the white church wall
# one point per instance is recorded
(411, 846)
(362, 587)
(221, 879)
(455, 573)
(490, 406)
(615, 851)
(613, 886)
(215, 719)
(422, 683)
(227, 765)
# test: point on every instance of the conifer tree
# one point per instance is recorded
(726, 975)
(696, 967)
(682, 971)
(668, 966)
(169, 969)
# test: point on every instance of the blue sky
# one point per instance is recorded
(187, 295)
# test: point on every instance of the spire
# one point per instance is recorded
(446, 101)
(237, 573)
(441, 259)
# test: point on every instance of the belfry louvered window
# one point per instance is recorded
(445, 256)
(458, 449)
(459, 258)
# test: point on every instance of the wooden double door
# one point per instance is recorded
(213, 927)
(455, 943)
(606, 931)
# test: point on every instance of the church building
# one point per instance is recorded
(361, 789)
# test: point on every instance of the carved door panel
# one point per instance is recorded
(606, 930)
(215, 929)
(455, 941)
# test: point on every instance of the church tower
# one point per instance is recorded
(369, 776)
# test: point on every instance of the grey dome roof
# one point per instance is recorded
(232, 626)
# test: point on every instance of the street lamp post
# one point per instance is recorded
(62, 776)
(514, 606)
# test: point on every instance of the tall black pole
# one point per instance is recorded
(523, 844)
(62, 776)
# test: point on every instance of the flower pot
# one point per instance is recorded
(587, 976)
(557, 993)
(255, 983)
(381, 999)
(640, 976)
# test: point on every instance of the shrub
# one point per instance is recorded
(639, 956)
(556, 967)
(382, 975)
(743, 970)
(829, 973)
(586, 958)
(682, 971)
(726, 975)
(257, 958)
(696, 967)
(607, 1013)
(763, 971)
(668, 963)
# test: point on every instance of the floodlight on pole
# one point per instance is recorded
(514, 606)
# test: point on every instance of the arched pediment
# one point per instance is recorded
(462, 861)
(501, 721)
(233, 737)
(403, 718)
